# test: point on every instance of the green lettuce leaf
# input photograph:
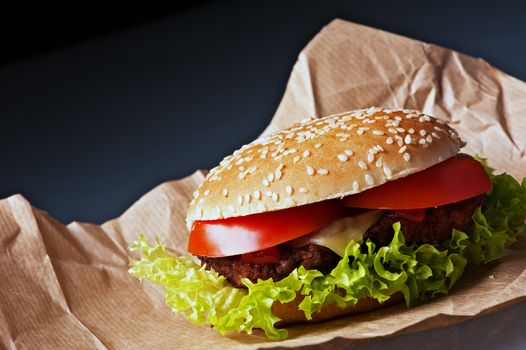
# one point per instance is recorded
(418, 272)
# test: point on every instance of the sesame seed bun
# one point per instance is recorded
(320, 159)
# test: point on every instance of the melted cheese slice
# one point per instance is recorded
(339, 233)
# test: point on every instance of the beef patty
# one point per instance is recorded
(436, 227)
(311, 256)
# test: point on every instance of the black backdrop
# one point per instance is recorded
(99, 105)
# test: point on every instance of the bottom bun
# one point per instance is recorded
(289, 312)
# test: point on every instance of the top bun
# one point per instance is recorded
(325, 158)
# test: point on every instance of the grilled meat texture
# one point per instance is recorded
(311, 256)
(436, 227)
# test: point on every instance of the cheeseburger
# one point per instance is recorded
(333, 216)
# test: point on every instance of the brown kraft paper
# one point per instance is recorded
(67, 287)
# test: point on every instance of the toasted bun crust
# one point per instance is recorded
(320, 159)
(289, 312)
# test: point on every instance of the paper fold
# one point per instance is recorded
(68, 286)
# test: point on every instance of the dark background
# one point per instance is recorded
(99, 105)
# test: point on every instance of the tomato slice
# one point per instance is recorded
(266, 256)
(245, 234)
(453, 180)
(413, 215)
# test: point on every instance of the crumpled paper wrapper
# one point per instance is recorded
(68, 286)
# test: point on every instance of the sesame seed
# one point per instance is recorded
(318, 145)
(310, 170)
(360, 131)
(275, 197)
(369, 179)
(288, 189)
(296, 159)
(242, 175)
(392, 131)
(434, 134)
(348, 152)
(400, 142)
(261, 207)
(402, 149)
(290, 201)
(323, 171)
(303, 190)
(379, 163)
(270, 177)
(378, 132)
(343, 157)
(355, 186)
(206, 192)
(407, 156)
(408, 139)
(370, 157)
(387, 171)
(411, 131)
(257, 194)
(231, 209)
(400, 129)
(265, 183)
(306, 154)
(240, 199)
(429, 138)
(279, 174)
(268, 193)
(247, 198)
(225, 192)
(423, 132)
(422, 141)
(362, 165)
(242, 168)
(389, 140)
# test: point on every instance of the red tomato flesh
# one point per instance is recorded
(413, 215)
(250, 233)
(453, 180)
(270, 255)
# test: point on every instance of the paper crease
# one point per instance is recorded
(67, 286)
